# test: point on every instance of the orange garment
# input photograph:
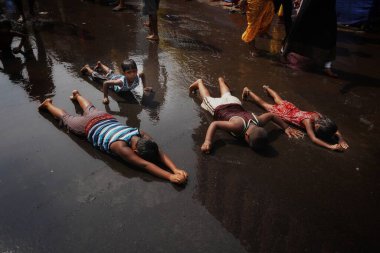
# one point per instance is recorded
(259, 18)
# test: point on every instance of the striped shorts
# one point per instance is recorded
(77, 124)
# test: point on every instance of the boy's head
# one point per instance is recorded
(257, 138)
(325, 128)
(129, 68)
(147, 149)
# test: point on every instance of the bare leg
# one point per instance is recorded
(153, 28)
(199, 85)
(120, 6)
(83, 102)
(52, 109)
(277, 99)
(102, 67)
(223, 87)
(248, 93)
(86, 70)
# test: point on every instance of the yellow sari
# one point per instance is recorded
(259, 18)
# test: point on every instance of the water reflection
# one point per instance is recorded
(25, 60)
(156, 77)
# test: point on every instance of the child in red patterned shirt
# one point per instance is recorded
(317, 126)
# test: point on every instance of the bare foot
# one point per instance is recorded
(266, 87)
(85, 68)
(153, 37)
(221, 80)
(118, 8)
(194, 86)
(75, 95)
(106, 101)
(98, 66)
(45, 104)
(330, 73)
(245, 93)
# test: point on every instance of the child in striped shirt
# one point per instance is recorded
(104, 132)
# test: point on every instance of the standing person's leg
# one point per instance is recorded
(199, 85)
(150, 8)
(247, 92)
(120, 6)
(52, 109)
(223, 87)
(153, 27)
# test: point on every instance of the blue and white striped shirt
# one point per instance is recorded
(106, 132)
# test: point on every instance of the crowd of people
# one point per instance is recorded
(310, 26)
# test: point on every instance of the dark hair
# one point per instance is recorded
(258, 138)
(147, 149)
(327, 128)
(128, 64)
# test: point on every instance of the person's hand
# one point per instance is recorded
(177, 178)
(344, 144)
(337, 147)
(206, 147)
(181, 172)
(292, 132)
(106, 101)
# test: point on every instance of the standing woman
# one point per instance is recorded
(259, 18)
(313, 34)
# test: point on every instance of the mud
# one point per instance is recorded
(58, 194)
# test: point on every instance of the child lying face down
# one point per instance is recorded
(104, 132)
(230, 116)
(317, 126)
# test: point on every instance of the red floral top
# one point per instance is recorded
(291, 114)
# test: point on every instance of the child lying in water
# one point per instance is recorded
(104, 132)
(229, 115)
(127, 81)
(317, 126)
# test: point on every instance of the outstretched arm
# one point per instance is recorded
(165, 158)
(127, 154)
(230, 126)
(310, 133)
(341, 141)
(170, 164)
(106, 85)
(290, 132)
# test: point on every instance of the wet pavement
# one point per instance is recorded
(58, 194)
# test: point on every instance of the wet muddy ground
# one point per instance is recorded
(58, 194)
